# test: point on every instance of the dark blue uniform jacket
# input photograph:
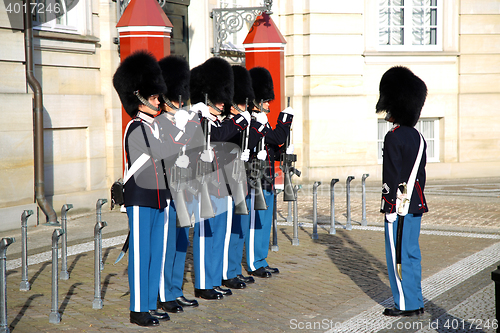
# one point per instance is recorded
(401, 146)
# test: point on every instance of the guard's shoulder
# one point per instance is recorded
(395, 128)
(132, 125)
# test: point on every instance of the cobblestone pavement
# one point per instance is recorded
(330, 281)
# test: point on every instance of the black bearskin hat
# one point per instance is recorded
(242, 85)
(402, 95)
(262, 83)
(138, 72)
(175, 71)
(215, 78)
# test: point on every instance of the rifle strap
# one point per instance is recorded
(413, 175)
(139, 162)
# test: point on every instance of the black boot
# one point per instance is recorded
(143, 319)
(225, 292)
(183, 301)
(207, 294)
(246, 279)
(159, 315)
(234, 283)
(170, 306)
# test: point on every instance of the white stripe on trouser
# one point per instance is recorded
(202, 248)
(164, 253)
(225, 259)
(402, 306)
(251, 241)
(137, 262)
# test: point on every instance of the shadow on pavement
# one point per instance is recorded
(21, 313)
(35, 276)
(66, 300)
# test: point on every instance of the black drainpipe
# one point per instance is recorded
(37, 120)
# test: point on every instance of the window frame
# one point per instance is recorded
(408, 30)
(76, 19)
(435, 140)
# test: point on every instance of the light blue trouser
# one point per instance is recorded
(208, 246)
(259, 231)
(233, 245)
(407, 293)
(144, 256)
(182, 244)
(175, 247)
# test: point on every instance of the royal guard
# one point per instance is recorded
(237, 230)
(266, 152)
(176, 74)
(211, 87)
(148, 139)
(402, 96)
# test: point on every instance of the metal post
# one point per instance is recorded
(97, 303)
(289, 217)
(25, 285)
(348, 225)
(4, 243)
(363, 199)
(315, 210)
(295, 239)
(332, 206)
(274, 246)
(55, 316)
(98, 206)
(64, 242)
(495, 276)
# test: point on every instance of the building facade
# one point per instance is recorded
(336, 52)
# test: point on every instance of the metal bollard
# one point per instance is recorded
(348, 225)
(495, 276)
(315, 210)
(55, 316)
(98, 206)
(332, 206)
(25, 285)
(289, 217)
(64, 242)
(363, 199)
(295, 239)
(4, 243)
(97, 303)
(274, 245)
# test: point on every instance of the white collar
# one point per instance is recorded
(145, 117)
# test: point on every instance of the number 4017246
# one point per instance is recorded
(34, 8)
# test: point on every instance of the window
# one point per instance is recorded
(410, 25)
(428, 127)
(61, 15)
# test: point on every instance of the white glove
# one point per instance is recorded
(201, 107)
(207, 155)
(288, 110)
(246, 115)
(182, 161)
(261, 117)
(181, 118)
(245, 155)
(391, 217)
(261, 155)
(290, 149)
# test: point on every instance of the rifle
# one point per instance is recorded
(287, 162)
(239, 175)
(257, 174)
(203, 171)
(179, 182)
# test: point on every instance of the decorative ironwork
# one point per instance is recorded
(230, 20)
(225, 22)
(122, 4)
